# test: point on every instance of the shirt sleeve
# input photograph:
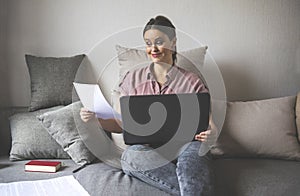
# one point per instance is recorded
(124, 85)
(197, 84)
(200, 87)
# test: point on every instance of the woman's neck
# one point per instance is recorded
(160, 71)
(161, 68)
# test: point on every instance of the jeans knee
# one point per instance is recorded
(128, 152)
(130, 161)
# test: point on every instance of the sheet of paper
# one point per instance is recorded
(93, 99)
(66, 185)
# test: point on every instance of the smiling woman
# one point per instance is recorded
(190, 173)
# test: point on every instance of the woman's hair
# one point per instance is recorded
(164, 25)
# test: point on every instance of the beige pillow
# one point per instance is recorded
(264, 128)
(298, 115)
(129, 58)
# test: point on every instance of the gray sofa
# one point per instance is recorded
(234, 176)
(257, 153)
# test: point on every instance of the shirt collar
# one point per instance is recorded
(170, 75)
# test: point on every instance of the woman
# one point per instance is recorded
(190, 174)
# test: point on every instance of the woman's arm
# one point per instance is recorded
(210, 134)
(110, 125)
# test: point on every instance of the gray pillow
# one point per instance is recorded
(62, 127)
(264, 128)
(30, 140)
(51, 80)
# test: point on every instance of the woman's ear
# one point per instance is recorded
(173, 43)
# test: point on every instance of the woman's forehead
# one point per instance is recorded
(153, 34)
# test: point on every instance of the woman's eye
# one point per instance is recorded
(159, 43)
(148, 43)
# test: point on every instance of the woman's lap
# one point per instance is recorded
(192, 173)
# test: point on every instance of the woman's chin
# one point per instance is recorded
(156, 60)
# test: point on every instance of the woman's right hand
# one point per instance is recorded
(86, 115)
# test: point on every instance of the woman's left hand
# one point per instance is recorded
(202, 137)
(208, 135)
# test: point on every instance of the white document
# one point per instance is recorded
(66, 185)
(93, 99)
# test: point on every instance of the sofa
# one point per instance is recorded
(257, 151)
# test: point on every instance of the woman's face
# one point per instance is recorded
(158, 46)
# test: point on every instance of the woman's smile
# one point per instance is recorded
(156, 55)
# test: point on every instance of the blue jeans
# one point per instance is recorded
(191, 175)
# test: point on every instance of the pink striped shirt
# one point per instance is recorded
(142, 82)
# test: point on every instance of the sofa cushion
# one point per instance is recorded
(14, 171)
(30, 140)
(130, 58)
(62, 127)
(51, 80)
(298, 115)
(264, 128)
(247, 177)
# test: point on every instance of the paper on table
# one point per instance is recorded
(93, 99)
(66, 185)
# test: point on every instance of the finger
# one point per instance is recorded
(198, 135)
(201, 139)
(87, 118)
(201, 134)
(84, 120)
(207, 132)
(86, 113)
(84, 110)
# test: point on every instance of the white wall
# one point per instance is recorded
(255, 43)
(3, 49)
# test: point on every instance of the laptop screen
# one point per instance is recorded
(157, 119)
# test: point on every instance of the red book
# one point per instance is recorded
(42, 166)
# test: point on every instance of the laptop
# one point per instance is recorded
(156, 119)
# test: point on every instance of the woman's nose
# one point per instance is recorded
(154, 47)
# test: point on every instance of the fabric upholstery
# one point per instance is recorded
(62, 127)
(14, 171)
(298, 115)
(30, 140)
(264, 128)
(51, 80)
